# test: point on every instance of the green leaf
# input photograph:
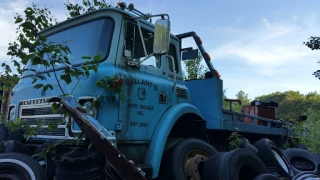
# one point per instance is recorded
(97, 58)
(37, 86)
(86, 57)
(55, 107)
(95, 68)
(66, 78)
(18, 20)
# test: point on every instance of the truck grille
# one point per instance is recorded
(34, 114)
(55, 132)
(46, 121)
(39, 111)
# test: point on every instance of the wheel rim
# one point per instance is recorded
(13, 171)
(193, 164)
(281, 161)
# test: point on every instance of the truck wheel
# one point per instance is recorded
(239, 164)
(267, 177)
(19, 166)
(271, 155)
(302, 160)
(185, 160)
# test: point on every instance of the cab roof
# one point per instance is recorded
(89, 14)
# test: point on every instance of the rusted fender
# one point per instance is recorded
(98, 135)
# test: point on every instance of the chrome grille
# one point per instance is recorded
(39, 111)
(34, 114)
(46, 121)
(55, 132)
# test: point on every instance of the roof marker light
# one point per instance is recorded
(122, 5)
(199, 40)
(208, 56)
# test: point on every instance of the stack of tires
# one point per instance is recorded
(19, 162)
(16, 162)
(262, 161)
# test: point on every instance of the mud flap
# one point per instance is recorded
(99, 136)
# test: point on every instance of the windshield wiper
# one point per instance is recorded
(69, 65)
(35, 72)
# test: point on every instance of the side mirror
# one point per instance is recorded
(161, 36)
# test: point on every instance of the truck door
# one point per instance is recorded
(144, 88)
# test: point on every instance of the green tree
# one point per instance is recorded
(243, 97)
(313, 44)
(292, 104)
(194, 68)
(225, 104)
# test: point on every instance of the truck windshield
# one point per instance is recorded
(86, 39)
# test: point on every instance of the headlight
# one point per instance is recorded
(87, 105)
(11, 113)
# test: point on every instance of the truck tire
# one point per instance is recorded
(245, 144)
(20, 166)
(301, 146)
(306, 175)
(47, 162)
(212, 167)
(4, 134)
(80, 164)
(15, 135)
(239, 164)
(271, 155)
(302, 160)
(184, 159)
(16, 146)
(267, 177)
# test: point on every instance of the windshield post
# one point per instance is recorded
(142, 39)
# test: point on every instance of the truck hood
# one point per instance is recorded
(86, 86)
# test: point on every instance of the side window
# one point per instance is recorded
(173, 53)
(134, 47)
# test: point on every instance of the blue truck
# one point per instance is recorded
(162, 120)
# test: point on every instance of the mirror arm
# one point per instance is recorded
(132, 63)
(145, 58)
(142, 40)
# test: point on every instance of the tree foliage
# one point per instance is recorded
(292, 104)
(314, 44)
(194, 69)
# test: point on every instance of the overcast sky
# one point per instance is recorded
(257, 46)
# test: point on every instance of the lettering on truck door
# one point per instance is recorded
(141, 108)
